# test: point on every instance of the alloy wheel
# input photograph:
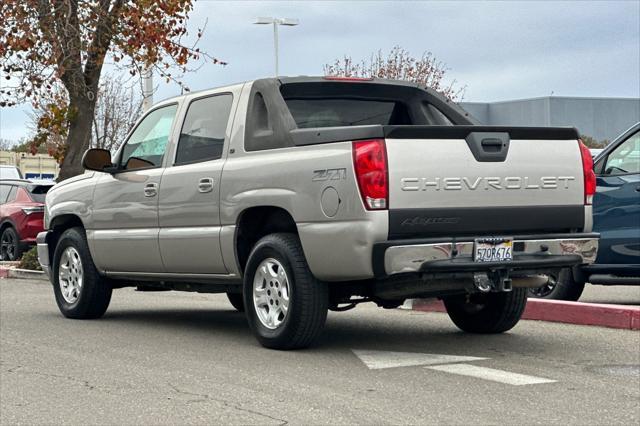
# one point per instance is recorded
(271, 293)
(70, 275)
(8, 246)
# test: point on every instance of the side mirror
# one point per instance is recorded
(97, 159)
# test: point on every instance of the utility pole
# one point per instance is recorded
(275, 44)
(275, 22)
(147, 89)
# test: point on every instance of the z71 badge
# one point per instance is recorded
(329, 174)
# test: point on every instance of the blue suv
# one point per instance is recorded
(616, 216)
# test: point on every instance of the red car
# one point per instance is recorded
(21, 215)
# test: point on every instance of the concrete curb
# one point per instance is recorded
(22, 273)
(612, 316)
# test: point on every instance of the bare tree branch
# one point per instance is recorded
(398, 64)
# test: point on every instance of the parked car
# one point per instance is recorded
(21, 215)
(616, 216)
(299, 195)
(10, 172)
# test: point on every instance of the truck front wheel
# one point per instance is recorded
(487, 312)
(80, 291)
(285, 305)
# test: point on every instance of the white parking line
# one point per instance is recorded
(377, 360)
(491, 374)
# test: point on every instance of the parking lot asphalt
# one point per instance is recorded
(178, 358)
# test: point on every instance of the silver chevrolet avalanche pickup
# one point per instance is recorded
(298, 195)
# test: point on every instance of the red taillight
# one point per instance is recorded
(589, 175)
(370, 164)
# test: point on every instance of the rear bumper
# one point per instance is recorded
(43, 252)
(531, 252)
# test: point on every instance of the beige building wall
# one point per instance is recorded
(39, 166)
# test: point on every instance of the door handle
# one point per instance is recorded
(151, 190)
(205, 185)
(637, 188)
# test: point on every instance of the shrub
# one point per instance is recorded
(29, 260)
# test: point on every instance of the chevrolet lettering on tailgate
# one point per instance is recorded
(472, 184)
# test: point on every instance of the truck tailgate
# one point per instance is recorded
(472, 180)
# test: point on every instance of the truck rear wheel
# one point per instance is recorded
(285, 305)
(487, 312)
(81, 293)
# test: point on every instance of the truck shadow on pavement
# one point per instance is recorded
(189, 321)
(425, 337)
(393, 333)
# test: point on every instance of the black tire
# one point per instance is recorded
(563, 286)
(487, 313)
(308, 297)
(95, 294)
(236, 300)
(10, 244)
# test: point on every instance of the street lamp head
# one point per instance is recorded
(289, 21)
(263, 20)
(276, 22)
(279, 21)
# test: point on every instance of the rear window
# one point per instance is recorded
(346, 112)
(39, 192)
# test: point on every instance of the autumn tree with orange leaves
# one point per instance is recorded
(52, 54)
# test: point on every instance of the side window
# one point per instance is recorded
(148, 143)
(625, 159)
(4, 193)
(204, 128)
(12, 194)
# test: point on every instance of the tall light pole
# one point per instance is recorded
(275, 22)
(147, 89)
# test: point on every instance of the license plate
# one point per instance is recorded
(493, 250)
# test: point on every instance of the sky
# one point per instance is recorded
(498, 50)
